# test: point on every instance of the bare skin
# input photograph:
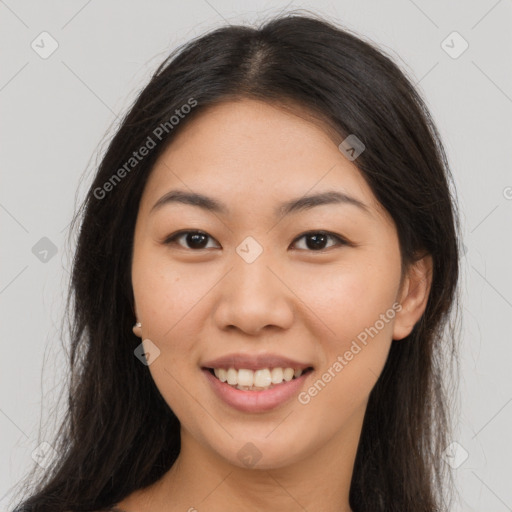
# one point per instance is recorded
(293, 300)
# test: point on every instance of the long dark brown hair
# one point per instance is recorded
(119, 435)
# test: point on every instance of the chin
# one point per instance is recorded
(261, 455)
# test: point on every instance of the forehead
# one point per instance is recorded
(252, 153)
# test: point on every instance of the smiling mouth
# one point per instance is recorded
(259, 380)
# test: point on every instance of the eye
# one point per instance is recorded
(317, 239)
(197, 240)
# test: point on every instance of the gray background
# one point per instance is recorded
(55, 114)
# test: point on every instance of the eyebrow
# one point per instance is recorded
(292, 206)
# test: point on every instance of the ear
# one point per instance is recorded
(413, 296)
(137, 329)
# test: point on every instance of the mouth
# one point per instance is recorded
(245, 379)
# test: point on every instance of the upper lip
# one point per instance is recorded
(254, 362)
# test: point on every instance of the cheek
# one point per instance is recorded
(350, 299)
(355, 306)
(166, 294)
(357, 315)
(165, 297)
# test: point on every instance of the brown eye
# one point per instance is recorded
(196, 240)
(317, 240)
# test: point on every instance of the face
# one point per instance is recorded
(319, 285)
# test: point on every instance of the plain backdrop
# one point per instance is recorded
(56, 110)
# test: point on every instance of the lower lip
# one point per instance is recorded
(256, 401)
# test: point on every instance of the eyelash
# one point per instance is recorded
(171, 239)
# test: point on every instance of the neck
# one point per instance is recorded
(200, 479)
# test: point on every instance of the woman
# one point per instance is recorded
(266, 264)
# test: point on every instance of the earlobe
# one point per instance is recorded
(137, 329)
(413, 296)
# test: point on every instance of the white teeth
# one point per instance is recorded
(288, 374)
(245, 378)
(232, 377)
(260, 379)
(221, 374)
(277, 375)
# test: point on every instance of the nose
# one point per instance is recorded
(253, 297)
